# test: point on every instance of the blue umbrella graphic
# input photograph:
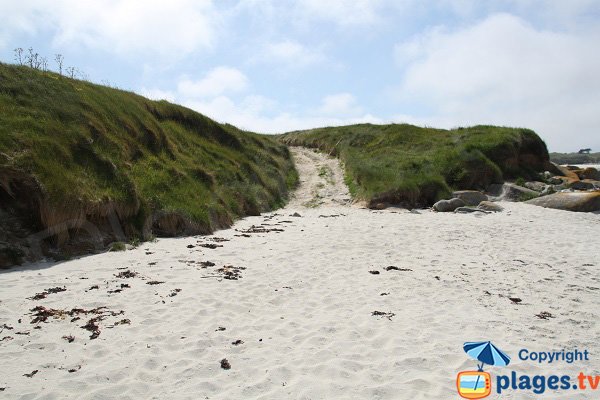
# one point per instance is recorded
(487, 353)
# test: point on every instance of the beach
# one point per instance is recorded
(323, 299)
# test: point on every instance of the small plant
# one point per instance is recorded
(118, 246)
(71, 71)
(323, 171)
(59, 62)
(19, 55)
(520, 182)
(135, 242)
(528, 196)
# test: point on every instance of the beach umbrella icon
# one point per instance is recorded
(487, 353)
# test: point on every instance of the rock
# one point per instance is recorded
(468, 210)
(512, 192)
(568, 172)
(537, 186)
(379, 206)
(448, 205)
(554, 169)
(10, 255)
(489, 206)
(572, 167)
(470, 197)
(581, 185)
(555, 180)
(573, 201)
(590, 173)
(548, 175)
(550, 189)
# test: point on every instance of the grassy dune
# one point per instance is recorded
(71, 151)
(410, 165)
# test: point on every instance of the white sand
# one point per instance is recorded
(303, 306)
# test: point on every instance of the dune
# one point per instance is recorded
(287, 305)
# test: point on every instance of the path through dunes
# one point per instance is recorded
(321, 180)
(293, 303)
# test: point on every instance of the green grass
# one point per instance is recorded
(405, 164)
(118, 246)
(90, 148)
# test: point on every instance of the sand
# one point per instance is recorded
(303, 306)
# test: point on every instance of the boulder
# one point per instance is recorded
(568, 172)
(581, 185)
(553, 168)
(490, 206)
(512, 192)
(570, 201)
(556, 180)
(470, 197)
(378, 206)
(537, 186)
(448, 205)
(590, 173)
(551, 189)
(547, 175)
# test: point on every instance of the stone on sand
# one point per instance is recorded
(489, 206)
(470, 197)
(511, 191)
(448, 205)
(537, 186)
(575, 201)
(581, 185)
(590, 173)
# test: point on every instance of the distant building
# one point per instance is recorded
(585, 151)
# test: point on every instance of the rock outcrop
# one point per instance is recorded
(573, 201)
(512, 192)
(490, 206)
(470, 197)
(448, 205)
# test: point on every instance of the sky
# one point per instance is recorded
(273, 66)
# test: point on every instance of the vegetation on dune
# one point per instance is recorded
(74, 151)
(410, 165)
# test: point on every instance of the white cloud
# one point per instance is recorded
(157, 94)
(211, 96)
(342, 12)
(245, 115)
(216, 82)
(504, 71)
(340, 105)
(16, 19)
(291, 53)
(127, 27)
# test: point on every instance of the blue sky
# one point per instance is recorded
(277, 65)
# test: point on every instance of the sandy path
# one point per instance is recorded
(321, 180)
(303, 307)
